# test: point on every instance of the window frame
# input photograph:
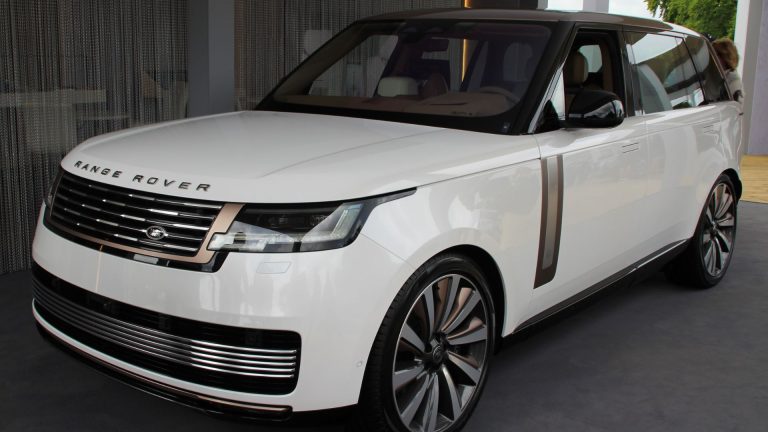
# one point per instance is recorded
(633, 64)
(716, 61)
(624, 75)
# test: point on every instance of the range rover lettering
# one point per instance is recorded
(423, 185)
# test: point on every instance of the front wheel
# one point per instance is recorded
(705, 261)
(430, 359)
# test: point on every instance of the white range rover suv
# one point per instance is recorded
(423, 185)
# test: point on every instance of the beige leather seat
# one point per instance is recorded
(575, 73)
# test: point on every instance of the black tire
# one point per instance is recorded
(378, 406)
(707, 257)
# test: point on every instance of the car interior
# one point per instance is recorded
(449, 76)
(592, 64)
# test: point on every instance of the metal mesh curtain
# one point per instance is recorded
(73, 69)
(273, 36)
(69, 70)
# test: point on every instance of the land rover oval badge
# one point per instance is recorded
(156, 232)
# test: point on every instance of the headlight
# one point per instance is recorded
(297, 228)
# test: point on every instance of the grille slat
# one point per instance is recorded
(123, 217)
(165, 340)
(122, 224)
(85, 202)
(117, 236)
(110, 190)
(110, 326)
(182, 215)
(114, 335)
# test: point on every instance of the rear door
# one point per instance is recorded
(716, 92)
(684, 147)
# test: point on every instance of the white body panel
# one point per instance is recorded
(604, 174)
(263, 157)
(498, 211)
(685, 151)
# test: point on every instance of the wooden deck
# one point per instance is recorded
(754, 174)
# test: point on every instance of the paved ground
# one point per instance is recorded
(654, 357)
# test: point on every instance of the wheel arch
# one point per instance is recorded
(736, 179)
(491, 271)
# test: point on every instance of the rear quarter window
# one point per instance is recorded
(709, 74)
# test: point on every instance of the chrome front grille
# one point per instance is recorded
(123, 217)
(264, 361)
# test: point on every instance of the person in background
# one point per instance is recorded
(729, 58)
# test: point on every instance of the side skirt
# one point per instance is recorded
(637, 272)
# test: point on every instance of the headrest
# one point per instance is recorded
(576, 69)
(435, 85)
(397, 86)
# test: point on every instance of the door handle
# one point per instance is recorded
(630, 147)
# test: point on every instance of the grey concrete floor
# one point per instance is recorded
(653, 357)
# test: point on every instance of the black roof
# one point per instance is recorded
(530, 15)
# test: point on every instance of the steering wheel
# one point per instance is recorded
(511, 97)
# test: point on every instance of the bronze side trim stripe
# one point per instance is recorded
(551, 219)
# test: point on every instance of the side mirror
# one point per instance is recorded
(595, 109)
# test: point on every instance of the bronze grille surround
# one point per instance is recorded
(119, 218)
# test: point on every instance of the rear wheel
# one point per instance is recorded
(430, 359)
(706, 260)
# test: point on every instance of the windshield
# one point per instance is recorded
(469, 75)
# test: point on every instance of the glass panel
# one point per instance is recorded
(665, 72)
(558, 98)
(359, 72)
(415, 67)
(594, 57)
(709, 73)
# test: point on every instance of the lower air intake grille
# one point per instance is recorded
(231, 358)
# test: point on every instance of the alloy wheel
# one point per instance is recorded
(441, 354)
(718, 230)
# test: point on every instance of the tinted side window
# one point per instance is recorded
(665, 72)
(594, 57)
(594, 63)
(706, 66)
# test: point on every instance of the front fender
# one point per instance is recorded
(498, 211)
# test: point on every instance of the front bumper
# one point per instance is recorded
(335, 300)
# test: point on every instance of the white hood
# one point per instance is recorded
(271, 157)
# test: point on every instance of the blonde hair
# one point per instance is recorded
(726, 51)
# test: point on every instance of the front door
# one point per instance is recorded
(595, 181)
